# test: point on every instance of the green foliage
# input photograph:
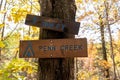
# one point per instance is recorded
(17, 68)
(12, 31)
(14, 68)
(12, 41)
(87, 75)
(18, 14)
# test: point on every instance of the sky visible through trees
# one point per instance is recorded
(88, 28)
(92, 14)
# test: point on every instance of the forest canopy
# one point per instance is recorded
(99, 24)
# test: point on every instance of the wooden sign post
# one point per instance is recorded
(53, 45)
(53, 24)
(53, 48)
(55, 68)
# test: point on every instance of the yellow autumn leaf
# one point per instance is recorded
(3, 12)
(101, 8)
(18, 14)
(2, 44)
(95, 78)
(9, 18)
(79, 1)
(35, 29)
(7, 1)
(105, 64)
(2, 25)
(0, 72)
(35, 0)
(30, 70)
(15, 69)
(26, 37)
(95, 0)
(35, 38)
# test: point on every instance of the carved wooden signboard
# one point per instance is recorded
(53, 48)
(53, 24)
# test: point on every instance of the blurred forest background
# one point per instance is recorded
(99, 24)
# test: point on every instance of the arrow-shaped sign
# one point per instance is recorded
(53, 24)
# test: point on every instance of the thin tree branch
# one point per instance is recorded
(11, 32)
(1, 4)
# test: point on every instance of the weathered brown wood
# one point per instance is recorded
(53, 24)
(54, 48)
(56, 69)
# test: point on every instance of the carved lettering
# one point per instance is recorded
(53, 25)
(70, 47)
(47, 48)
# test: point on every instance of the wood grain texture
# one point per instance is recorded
(54, 48)
(55, 24)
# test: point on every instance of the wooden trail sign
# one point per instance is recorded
(53, 24)
(53, 48)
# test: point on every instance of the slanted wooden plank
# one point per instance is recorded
(52, 24)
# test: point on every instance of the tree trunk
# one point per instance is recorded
(3, 29)
(111, 44)
(1, 4)
(103, 45)
(63, 68)
(112, 54)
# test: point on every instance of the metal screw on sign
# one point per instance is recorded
(51, 45)
(51, 41)
(51, 55)
(61, 48)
